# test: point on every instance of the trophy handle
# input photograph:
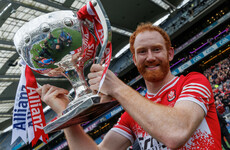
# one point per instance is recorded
(80, 86)
(106, 27)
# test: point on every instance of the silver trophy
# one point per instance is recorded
(54, 45)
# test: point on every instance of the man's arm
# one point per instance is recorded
(57, 99)
(172, 126)
(78, 139)
(114, 141)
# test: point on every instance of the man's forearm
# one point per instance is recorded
(78, 139)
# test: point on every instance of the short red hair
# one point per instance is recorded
(148, 27)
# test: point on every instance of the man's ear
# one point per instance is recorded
(134, 60)
(171, 53)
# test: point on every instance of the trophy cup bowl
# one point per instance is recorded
(52, 45)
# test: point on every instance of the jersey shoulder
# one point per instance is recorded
(196, 77)
(198, 83)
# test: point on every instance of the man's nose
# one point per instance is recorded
(150, 56)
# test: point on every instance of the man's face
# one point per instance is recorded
(151, 56)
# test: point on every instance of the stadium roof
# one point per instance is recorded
(124, 16)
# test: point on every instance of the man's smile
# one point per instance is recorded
(152, 67)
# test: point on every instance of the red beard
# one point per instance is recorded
(154, 75)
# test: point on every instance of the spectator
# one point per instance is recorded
(44, 52)
(226, 103)
(219, 106)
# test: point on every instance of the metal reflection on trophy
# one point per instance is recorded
(52, 45)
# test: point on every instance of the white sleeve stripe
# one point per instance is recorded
(195, 87)
(199, 92)
(124, 127)
(197, 84)
(193, 100)
(187, 95)
(123, 133)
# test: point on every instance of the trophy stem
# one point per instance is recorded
(78, 82)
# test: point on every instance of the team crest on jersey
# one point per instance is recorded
(171, 95)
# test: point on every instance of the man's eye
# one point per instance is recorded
(142, 51)
(156, 49)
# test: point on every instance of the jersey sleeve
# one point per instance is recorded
(123, 127)
(196, 88)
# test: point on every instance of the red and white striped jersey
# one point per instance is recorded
(192, 87)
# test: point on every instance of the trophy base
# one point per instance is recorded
(86, 110)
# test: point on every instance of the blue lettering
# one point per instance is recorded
(20, 125)
(17, 114)
(23, 95)
(30, 124)
(23, 88)
(20, 112)
(23, 104)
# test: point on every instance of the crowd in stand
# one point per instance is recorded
(219, 77)
(185, 14)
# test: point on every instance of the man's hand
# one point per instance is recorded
(55, 97)
(105, 98)
(110, 83)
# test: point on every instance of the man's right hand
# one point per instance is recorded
(55, 97)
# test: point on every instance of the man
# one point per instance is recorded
(44, 52)
(46, 61)
(188, 122)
